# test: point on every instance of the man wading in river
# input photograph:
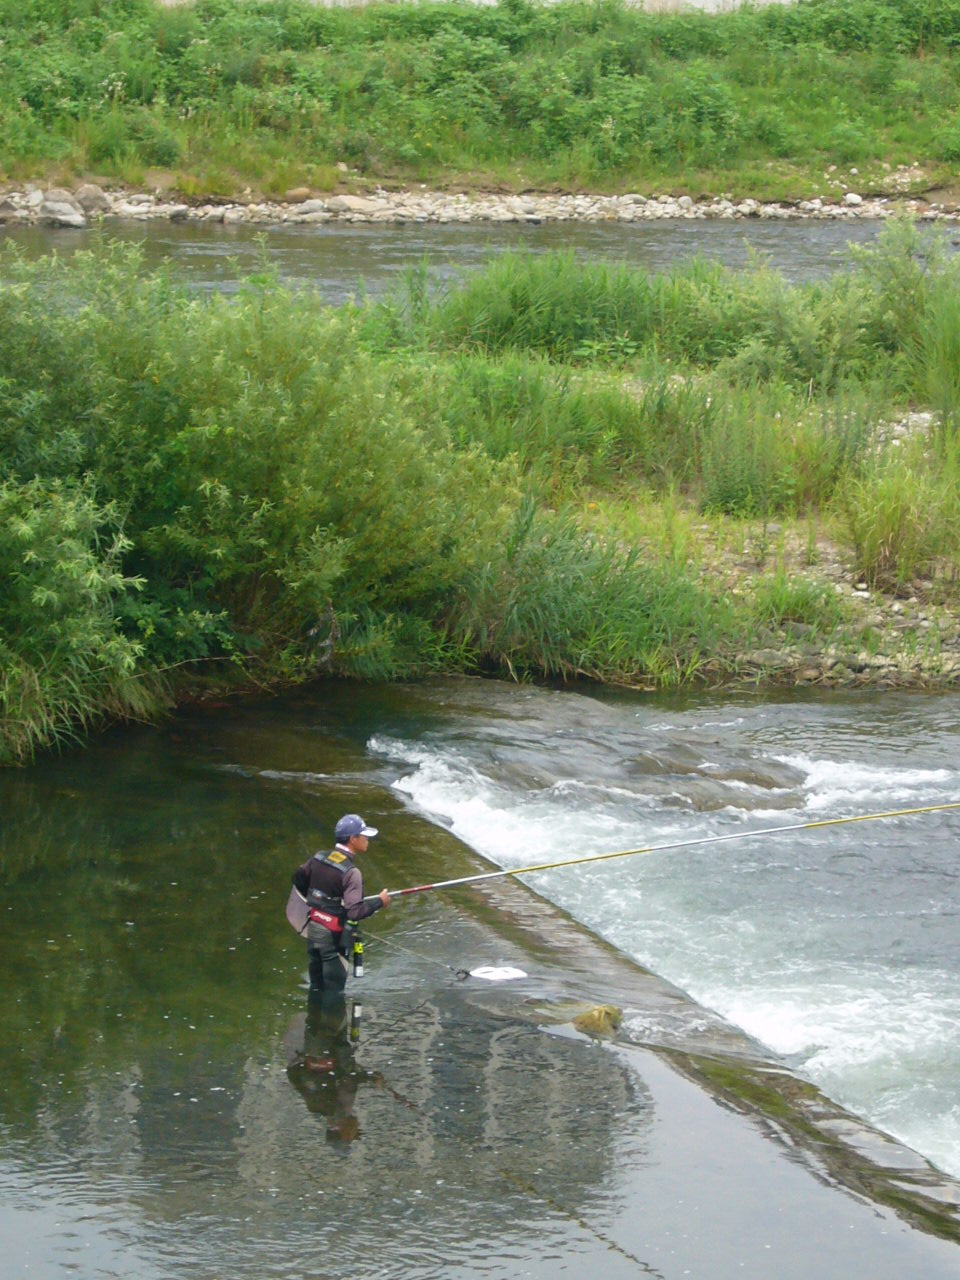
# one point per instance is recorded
(333, 888)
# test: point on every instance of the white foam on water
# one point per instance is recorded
(844, 785)
(882, 1047)
(882, 1039)
(511, 829)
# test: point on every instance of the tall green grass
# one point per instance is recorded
(561, 606)
(902, 513)
(277, 93)
(752, 325)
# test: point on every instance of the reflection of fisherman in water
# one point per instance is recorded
(324, 1070)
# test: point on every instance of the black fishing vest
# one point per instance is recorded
(326, 899)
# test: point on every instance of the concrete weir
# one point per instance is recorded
(736, 1138)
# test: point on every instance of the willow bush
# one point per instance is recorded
(64, 662)
(260, 474)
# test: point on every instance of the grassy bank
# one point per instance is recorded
(514, 476)
(274, 94)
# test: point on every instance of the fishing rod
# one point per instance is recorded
(672, 845)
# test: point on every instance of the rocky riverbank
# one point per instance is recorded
(59, 207)
(884, 640)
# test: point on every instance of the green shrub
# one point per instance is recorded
(262, 464)
(64, 663)
(948, 140)
(745, 470)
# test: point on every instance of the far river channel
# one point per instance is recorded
(344, 260)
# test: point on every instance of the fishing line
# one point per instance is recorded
(461, 974)
(672, 845)
(573, 1216)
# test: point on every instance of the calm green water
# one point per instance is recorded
(163, 1113)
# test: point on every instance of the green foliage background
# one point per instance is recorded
(263, 489)
(278, 91)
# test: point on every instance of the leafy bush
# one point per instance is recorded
(63, 659)
(267, 474)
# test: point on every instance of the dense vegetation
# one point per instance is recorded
(263, 489)
(276, 92)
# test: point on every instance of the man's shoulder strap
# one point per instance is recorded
(336, 858)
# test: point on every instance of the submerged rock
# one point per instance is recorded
(592, 1020)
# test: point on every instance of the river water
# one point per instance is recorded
(161, 1112)
(344, 261)
(838, 948)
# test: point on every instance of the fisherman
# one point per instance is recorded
(333, 888)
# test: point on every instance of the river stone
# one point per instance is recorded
(126, 209)
(851, 200)
(92, 199)
(353, 204)
(297, 195)
(595, 1020)
(765, 658)
(59, 209)
(8, 211)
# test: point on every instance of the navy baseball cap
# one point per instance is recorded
(351, 824)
